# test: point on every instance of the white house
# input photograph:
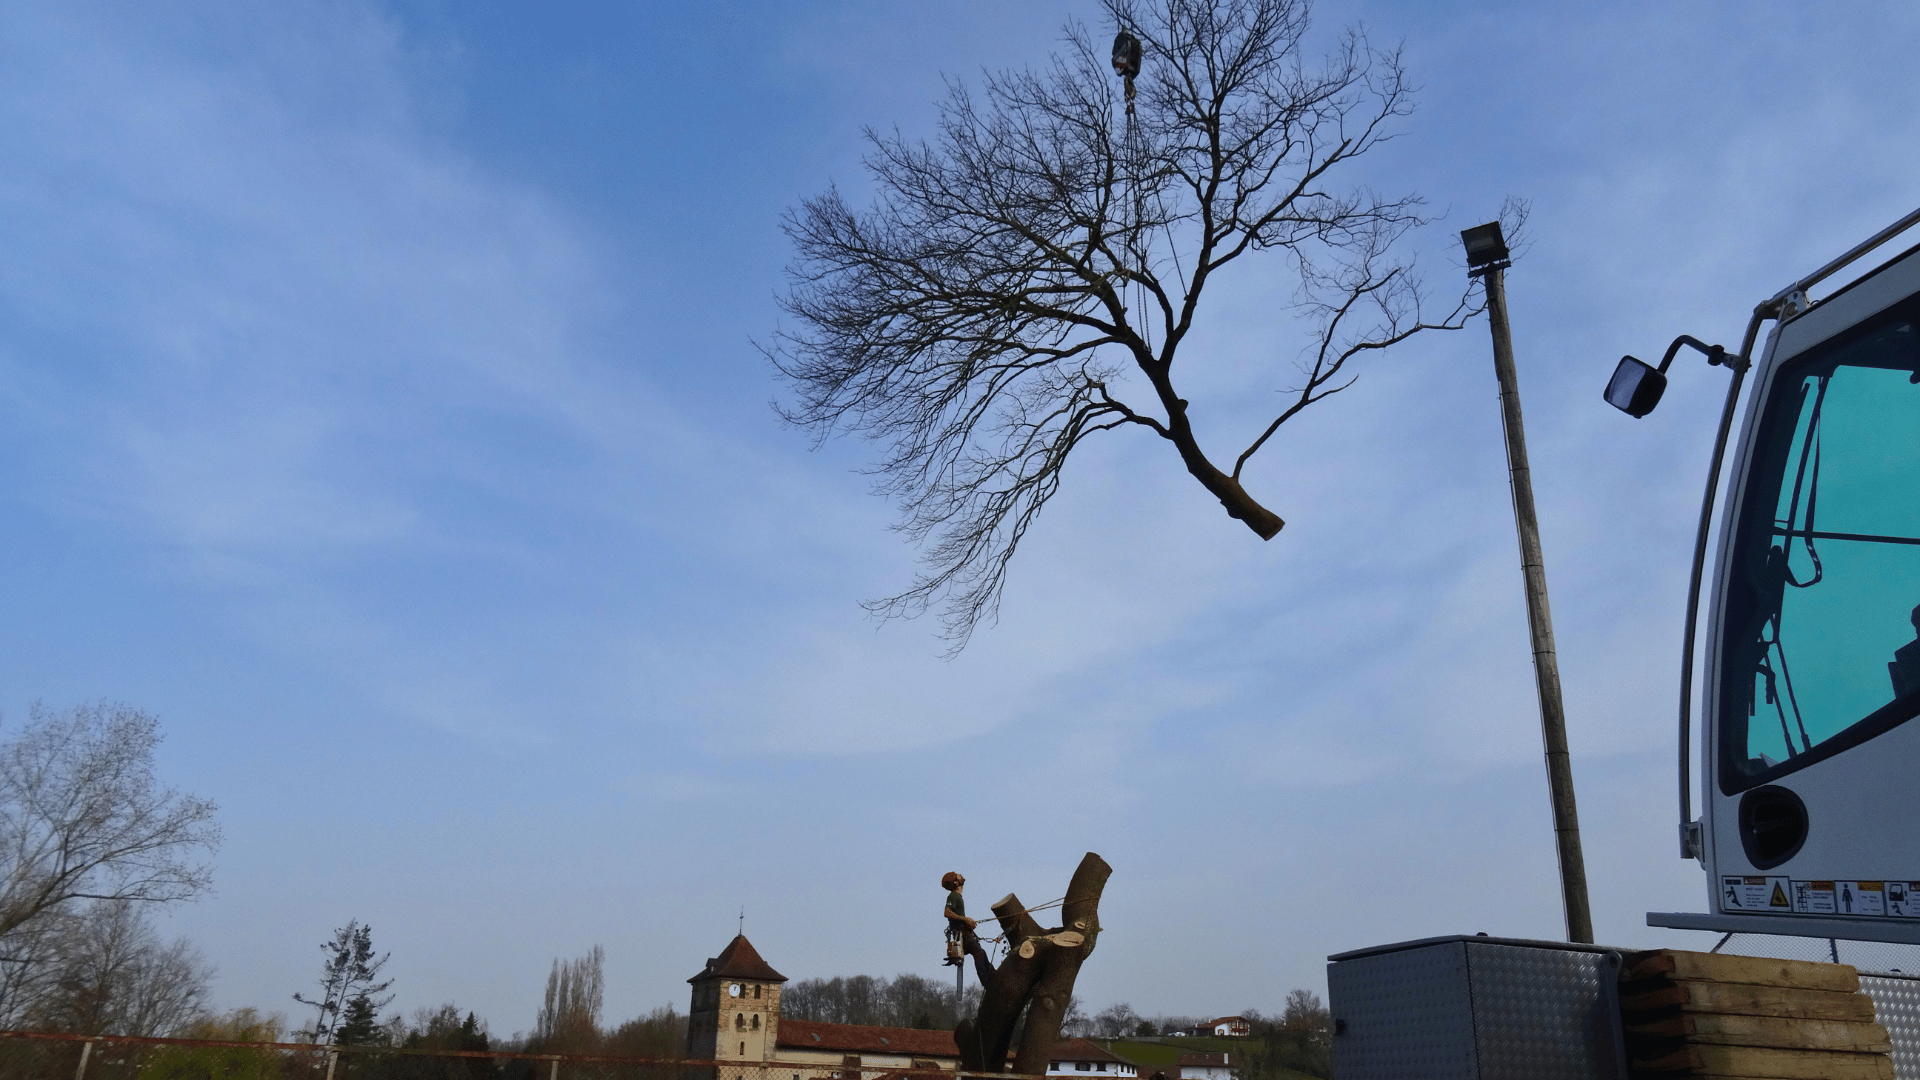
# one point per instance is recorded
(1084, 1057)
(1236, 1026)
(1195, 1066)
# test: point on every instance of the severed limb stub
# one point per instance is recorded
(1036, 977)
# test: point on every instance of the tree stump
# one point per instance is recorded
(1036, 977)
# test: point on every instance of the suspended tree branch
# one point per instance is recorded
(1028, 277)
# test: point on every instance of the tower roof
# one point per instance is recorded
(738, 961)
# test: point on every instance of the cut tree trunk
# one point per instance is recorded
(1036, 977)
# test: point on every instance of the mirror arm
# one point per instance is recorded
(1716, 354)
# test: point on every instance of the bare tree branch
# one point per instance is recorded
(82, 817)
(1021, 282)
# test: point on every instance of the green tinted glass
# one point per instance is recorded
(1821, 634)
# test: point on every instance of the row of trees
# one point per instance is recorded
(1299, 1040)
(100, 968)
(569, 1018)
(909, 1001)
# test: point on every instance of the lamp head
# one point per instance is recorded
(1486, 249)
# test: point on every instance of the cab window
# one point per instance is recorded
(1821, 641)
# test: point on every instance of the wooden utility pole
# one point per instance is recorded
(1487, 259)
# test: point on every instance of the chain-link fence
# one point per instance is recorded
(1871, 957)
(42, 1055)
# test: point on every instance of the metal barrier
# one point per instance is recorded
(1870, 957)
(40, 1055)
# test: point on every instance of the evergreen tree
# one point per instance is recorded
(359, 1024)
(349, 973)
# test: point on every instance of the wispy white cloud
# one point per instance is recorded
(401, 423)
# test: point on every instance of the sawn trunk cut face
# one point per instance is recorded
(1036, 977)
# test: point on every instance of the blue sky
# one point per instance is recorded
(378, 405)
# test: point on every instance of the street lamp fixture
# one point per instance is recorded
(1486, 249)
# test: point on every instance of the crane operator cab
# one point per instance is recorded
(1810, 694)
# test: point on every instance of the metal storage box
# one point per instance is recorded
(1896, 1005)
(1476, 1008)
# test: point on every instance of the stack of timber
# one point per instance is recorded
(1690, 1014)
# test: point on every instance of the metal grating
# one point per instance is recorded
(1896, 1004)
(1544, 1014)
(1476, 1008)
(1404, 1015)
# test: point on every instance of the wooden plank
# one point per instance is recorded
(1748, 1000)
(1774, 1031)
(1752, 1061)
(1755, 970)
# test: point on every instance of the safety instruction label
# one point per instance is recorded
(1756, 895)
(1782, 896)
(1813, 898)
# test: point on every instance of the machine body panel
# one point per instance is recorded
(1810, 763)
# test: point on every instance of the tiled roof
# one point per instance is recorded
(1084, 1050)
(1191, 1057)
(859, 1038)
(739, 961)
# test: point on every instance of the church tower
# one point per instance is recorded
(736, 1006)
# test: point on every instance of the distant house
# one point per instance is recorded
(1194, 1066)
(1084, 1057)
(1235, 1026)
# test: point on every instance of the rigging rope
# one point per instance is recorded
(1126, 64)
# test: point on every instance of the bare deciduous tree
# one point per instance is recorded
(112, 975)
(1115, 1021)
(660, 1033)
(1028, 279)
(906, 1000)
(101, 969)
(82, 817)
(569, 1019)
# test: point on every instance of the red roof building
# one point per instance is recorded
(735, 1016)
(1086, 1058)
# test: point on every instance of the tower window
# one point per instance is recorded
(739, 1021)
(756, 1021)
(756, 991)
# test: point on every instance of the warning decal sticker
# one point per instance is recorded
(1757, 895)
(1813, 898)
(1862, 897)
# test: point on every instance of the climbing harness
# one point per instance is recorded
(956, 951)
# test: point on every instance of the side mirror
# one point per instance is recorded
(1635, 387)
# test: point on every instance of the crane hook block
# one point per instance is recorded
(1126, 56)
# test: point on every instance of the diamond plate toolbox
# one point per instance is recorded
(1476, 1008)
(1896, 1005)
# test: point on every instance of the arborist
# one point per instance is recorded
(960, 936)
